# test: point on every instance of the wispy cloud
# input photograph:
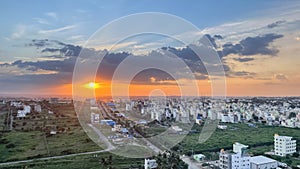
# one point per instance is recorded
(76, 37)
(19, 32)
(41, 21)
(280, 77)
(49, 31)
(52, 15)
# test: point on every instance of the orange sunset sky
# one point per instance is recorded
(257, 43)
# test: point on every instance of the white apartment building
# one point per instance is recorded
(239, 148)
(240, 160)
(284, 145)
(234, 161)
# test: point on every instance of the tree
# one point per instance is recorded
(103, 161)
(170, 160)
(295, 155)
(110, 158)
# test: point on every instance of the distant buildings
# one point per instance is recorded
(38, 108)
(2, 101)
(150, 163)
(95, 118)
(284, 145)
(26, 110)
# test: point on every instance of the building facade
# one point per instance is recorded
(284, 145)
(233, 161)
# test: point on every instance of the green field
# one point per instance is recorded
(30, 136)
(260, 136)
(17, 145)
(260, 139)
(92, 161)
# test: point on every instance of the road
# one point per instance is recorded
(105, 110)
(54, 157)
(192, 164)
(103, 138)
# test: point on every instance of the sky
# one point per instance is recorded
(257, 43)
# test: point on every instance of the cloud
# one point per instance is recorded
(193, 61)
(281, 77)
(54, 46)
(276, 24)
(68, 55)
(252, 46)
(20, 31)
(38, 43)
(61, 29)
(212, 40)
(243, 74)
(52, 15)
(218, 37)
(243, 59)
(60, 58)
(76, 37)
(41, 21)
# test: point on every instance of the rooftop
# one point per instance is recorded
(282, 137)
(261, 160)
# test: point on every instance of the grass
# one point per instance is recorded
(17, 145)
(29, 139)
(262, 137)
(80, 162)
(259, 140)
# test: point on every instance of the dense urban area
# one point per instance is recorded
(246, 132)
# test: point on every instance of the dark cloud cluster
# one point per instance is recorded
(38, 43)
(218, 37)
(66, 55)
(243, 74)
(66, 50)
(192, 60)
(252, 46)
(276, 24)
(243, 59)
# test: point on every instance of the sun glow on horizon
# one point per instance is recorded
(92, 85)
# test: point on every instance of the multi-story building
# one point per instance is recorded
(233, 161)
(284, 145)
(237, 160)
(240, 148)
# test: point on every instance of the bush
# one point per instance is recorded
(4, 141)
(295, 155)
(10, 145)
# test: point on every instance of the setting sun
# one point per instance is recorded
(92, 85)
